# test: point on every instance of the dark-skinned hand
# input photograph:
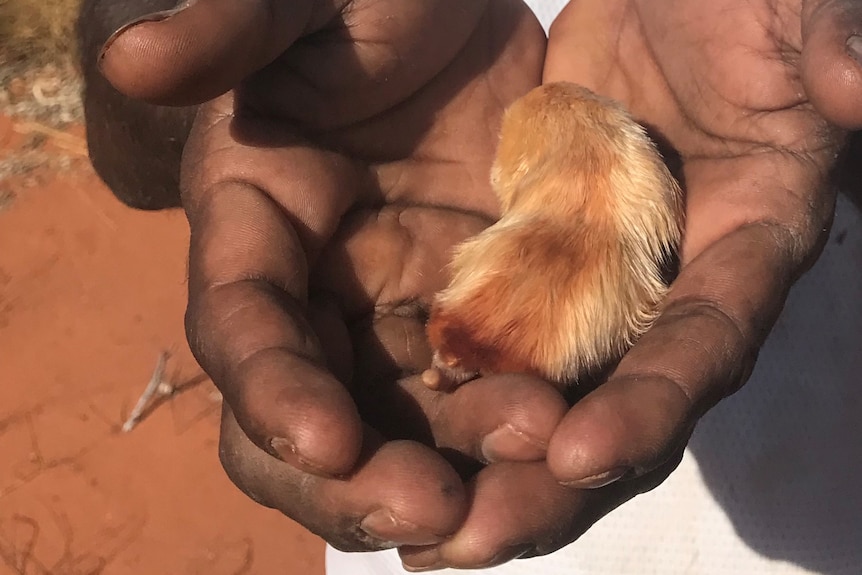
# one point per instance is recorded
(324, 194)
(753, 99)
(325, 191)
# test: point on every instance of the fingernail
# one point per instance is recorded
(153, 17)
(385, 526)
(598, 480)
(422, 569)
(421, 559)
(286, 451)
(508, 554)
(854, 47)
(508, 443)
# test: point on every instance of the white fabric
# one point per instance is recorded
(769, 484)
(546, 10)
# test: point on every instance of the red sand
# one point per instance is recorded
(90, 293)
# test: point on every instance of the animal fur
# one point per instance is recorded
(573, 272)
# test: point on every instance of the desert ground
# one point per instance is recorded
(91, 293)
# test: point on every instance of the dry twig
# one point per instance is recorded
(156, 386)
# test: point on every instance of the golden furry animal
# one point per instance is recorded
(572, 273)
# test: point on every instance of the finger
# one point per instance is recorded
(520, 510)
(247, 319)
(701, 349)
(167, 57)
(377, 54)
(400, 493)
(515, 508)
(749, 236)
(247, 326)
(832, 59)
(506, 417)
(328, 324)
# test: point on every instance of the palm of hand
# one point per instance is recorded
(375, 193)
(720, 84)
(320, 228)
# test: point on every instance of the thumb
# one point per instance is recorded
(832, 59)
(200, 50)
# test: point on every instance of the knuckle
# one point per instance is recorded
(710, 311)
(727, 356)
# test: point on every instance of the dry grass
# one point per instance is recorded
(39, 88)
(37, 31)
(38, 74)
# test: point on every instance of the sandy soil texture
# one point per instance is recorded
(90, 293)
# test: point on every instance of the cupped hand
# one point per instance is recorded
(343, 149)
(752, 100)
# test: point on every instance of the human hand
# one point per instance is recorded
(323, 196)
(755, 98)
